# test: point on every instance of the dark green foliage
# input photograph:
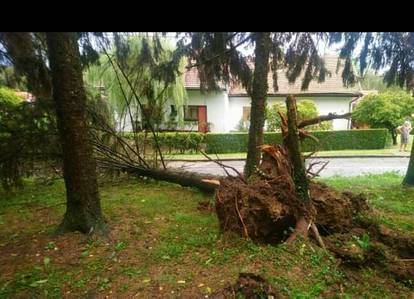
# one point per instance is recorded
(9, 78)
(237, 142)
(27, 137)
(328, 140)
(172, 142)
(379, 50)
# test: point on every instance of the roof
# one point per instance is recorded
(192, 79)
(332, 85)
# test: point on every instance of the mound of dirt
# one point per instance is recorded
(249, 286)
(266, 209)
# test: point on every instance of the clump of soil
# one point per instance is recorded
(249, 286)
(206, 206)
(267, 208)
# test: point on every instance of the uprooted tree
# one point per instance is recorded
(281, 202)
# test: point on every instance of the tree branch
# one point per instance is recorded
(218, 55)
(319, 119)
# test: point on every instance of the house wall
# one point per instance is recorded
(325, 105)
(217, 108)
(224, 113)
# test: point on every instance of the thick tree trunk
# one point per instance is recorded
(409, 176)
(183, 178)
(293, 146)
(292, 142)
(83, 209)
(258, 94)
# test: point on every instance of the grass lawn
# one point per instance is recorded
(162, 246)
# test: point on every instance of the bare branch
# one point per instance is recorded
(319, 119)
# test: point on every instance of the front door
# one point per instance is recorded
(202, 119)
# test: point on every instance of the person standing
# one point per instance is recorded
(405, 130)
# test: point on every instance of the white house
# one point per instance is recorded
(223, 110)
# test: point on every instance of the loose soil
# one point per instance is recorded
(266, 209)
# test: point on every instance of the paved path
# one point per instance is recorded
(336, 166)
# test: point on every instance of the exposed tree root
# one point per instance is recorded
(267, 210)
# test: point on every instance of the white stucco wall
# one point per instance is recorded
(217, 108)
(224, 113)
(325, 105)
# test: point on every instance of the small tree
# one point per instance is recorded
(385, 110)
(306, 109)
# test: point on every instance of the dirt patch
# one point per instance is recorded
(206, 206)
(249, 286)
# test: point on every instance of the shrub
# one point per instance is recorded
(388, 110)
(328, 140)
(306, 109)
(182, 142)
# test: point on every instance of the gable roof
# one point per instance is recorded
(332, 85)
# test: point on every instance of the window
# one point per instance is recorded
(191, 113)
(246, 113)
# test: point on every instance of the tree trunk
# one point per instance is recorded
(258, 94)
(394, 137)
(183, 178)
(409, 176)
(293, 146)
(292, 143)
(83, 209)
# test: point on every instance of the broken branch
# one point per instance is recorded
(319, 119)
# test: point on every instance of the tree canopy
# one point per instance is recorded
(385, 110)
(142, 60)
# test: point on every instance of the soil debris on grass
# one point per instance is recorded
(159, 238)
(249, 286)
(266, 210)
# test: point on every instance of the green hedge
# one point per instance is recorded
(237, 142)
(328, 140)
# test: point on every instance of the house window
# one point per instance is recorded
(191, 113)
(246, 113)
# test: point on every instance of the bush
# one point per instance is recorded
(388, 109)
(9, 97)
(328, 140)
(220, 143)
(306, 109)
(173, 142)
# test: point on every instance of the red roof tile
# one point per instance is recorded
(332, 84)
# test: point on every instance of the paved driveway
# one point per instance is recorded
(336, 166)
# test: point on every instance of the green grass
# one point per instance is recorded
(395, 203)
(161, 245)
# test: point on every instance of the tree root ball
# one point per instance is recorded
(267, 210)
(267, 214)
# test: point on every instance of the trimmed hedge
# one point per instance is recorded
(328, 140)
(237, 142)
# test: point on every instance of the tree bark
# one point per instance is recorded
(258, 95)
(186, 179)
(394, 137)
(409, 176)
(322, 118)
(292, 142)
(83, 209)
(293, 146)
